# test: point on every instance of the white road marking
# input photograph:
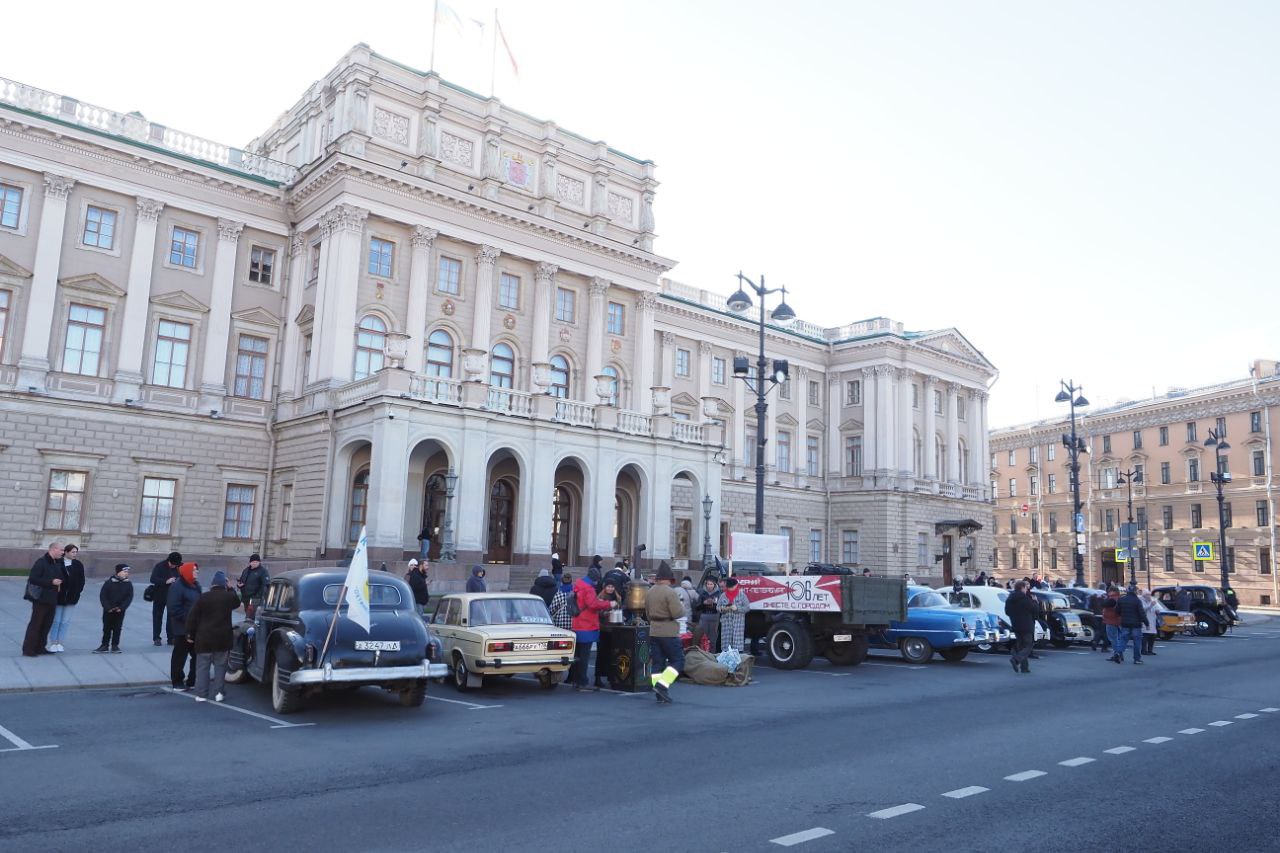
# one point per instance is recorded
(278, 724)
(810, 671)
(20, 745)
(1025, 775)
(961, 793)
(892, 665)
(1190, 731)
(1220, 723)
(905, 808)
(1076, 762)
(1158, 740)
(1118, 750)
(626, 693)
(1245, 716)
(1269, 710)
(472, 705)
(801, 837)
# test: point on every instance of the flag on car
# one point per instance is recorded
(358, 584)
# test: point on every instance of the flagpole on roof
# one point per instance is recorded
(435, 14)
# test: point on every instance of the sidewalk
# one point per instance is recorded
(140, 662)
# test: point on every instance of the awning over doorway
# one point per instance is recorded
(964, 526)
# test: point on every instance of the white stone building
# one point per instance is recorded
(408, 306)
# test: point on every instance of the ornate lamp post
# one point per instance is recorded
(1220, 476)
(447, 552)
(1070, 394)
(706, 531)
(1129, 478)
(741, 301)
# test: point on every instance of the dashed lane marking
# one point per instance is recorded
(1076, 762)
(1190, 731)
(1158, 740)
(277, 724)
(801, 837)
(1269, 710)
(893, 665)
(961, 793)
(1025, 775)
(1220, 723)
(1245, 716)
(905, 808)
(20, 745)
(1118, 750)
(810, 671)
(472, 705)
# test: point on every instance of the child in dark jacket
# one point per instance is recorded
(116, 596)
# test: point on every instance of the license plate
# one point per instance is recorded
(530, 647)
(377, 645)
(842, 638)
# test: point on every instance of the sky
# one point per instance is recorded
(1086, 190)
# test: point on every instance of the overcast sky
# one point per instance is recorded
(1086, 190)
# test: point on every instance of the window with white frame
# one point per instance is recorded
(371, 343)
(1193, 470)
(853, 456)
(1258, 457)
(784, 389)
(286, 509)
(10, 206)
(314, 272)
(156, 517)
(1034, 454)
(811, 455)
(853, 392)
(559, 377)
(1033, 486)
(961, 408)
(783, 452)
(1013, 457)
(566, 305)
(5, 296)
(358, 510)
(815, 393)
(440, 354)
(64, 502)
(1013, 487)
(922, 550)
(502, 366)
(262, 265)
(184, 247)
(937, 402)
(1050, 452)
(237, 514)
(509, 291)
(815, 546)
(449, 276)
(83, 349)
(381, 255)
(173, 351)
(306, 359)
(615, 319)
(1053, 484)
(99, 227)
(717, 370)
(848, 546)
(682, 362)
(251, 367)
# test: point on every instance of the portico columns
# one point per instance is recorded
(884, 418)
(423, 240)
(642, 397)
(213, 377)
(905, 428)
(544, 281)
(595, 333)
(835, 461)
(953, 445)
(334, 337)
(291, 347)
(33, 364)
(930, 440)
(486, 258)
(388, 477)
(870, 436)
(129, 378)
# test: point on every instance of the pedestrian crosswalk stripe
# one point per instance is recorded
(1220, 723)
(961, 793)
(1190, 731)
(1158, 740)
(1245, 716)
(1025, 775)
(1076, 762)
(905, 808)
(1118, 750)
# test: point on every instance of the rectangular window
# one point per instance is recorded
(915, 396)
(1013, 458)
(1013, 525)
(717, 370)
(4, 320)
(1259, 456)
(1106, 444)
(1140, 517)
(99, 228)
(315, 263)
(1193, 470)
(961, 408)
(1191, 431)
(173, 348)
(615, 321)
(509, 291)
(449, 276)
(853, 392)
(749, 446)
(1053, 522)
(783, 452)
(811, 455)
(853, 456)
(85, 328)
(1033, 453)
(1033, 486)
(251, 368)
(1139, 473)
(683, 533)
(814, 398)
(1166, 517)
(995, 558)
(1262, 513)
(1168, 559)
(1109, 520)
(1196, 520)
(1051, 452)
(1013, 487)
(682, 362)
(995, 525)
(1255, 422)
(262, 265)
(1013, 558)
(306, 359)
(1035, 558)
(65, 503)
(1166, 473)
(848, 546)
(156, 518)
(1137, 439)
(784, 390)
(1035, 525)
(1110, 477)
(184, 247)
(1053, 558)
(10, 206)
(1264, 560)
(922, 550)
(815, 546)
(1221, 428)
(1164, 436)
(286, 509)
(381, 253)
(566, 305)
(237, 515)
(1053, 484)
(1227, 517)
(937, 402)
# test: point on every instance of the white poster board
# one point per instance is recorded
(759, 547)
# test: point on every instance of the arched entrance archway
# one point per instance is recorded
(628, 529)
(568, 510)
(501, 499)
(425, 495)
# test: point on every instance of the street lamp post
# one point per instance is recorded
(1075, 445)
(447, 552)
(1130, 477)
(706, 531)
(1220, 476)
(741, 301)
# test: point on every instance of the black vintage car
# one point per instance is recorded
(1060, 619)
(284, 646)
(1213, 614)
(1080, 598)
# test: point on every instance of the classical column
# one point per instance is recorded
(544, 282)
(642, 398)
(885, 418)
(486, 259)
(471, 502)
(601, 493)
(953, 434)
(904, 432)
(668, 359)
(984, 447)
(800, 386)
(333, 341)
(930, 438)
(595, 331)
(129, 378)
(291, 349)
(533, 521)
(973, 413)
(657, 515)
(835, 455)
(213, 377)
(419, 286)
(388, 480)
(33, 364)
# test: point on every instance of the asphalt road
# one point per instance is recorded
(1179, 753)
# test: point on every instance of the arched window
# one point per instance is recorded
(433, 512)
(359, 508)
(440, 354)
(964, 463)
(940, 458)
(371, 342)
(561, 519)
(612, 373)
(502, 367)
(559, 377)
(621, 522)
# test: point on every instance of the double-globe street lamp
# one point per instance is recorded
(1220, 476)
(1075, 445)
(782, 315)
(1133, 475)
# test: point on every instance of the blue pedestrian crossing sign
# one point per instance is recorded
(1202, 550)
(1122, 555)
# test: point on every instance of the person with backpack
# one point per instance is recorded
(253, 585)
(559, 607)
(115, 597)
(417, 580)
(586, 607)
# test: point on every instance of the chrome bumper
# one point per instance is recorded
(499, 663)
(367, 674)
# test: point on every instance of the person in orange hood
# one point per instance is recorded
(183, 594)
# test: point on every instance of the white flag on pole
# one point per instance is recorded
(358, 584)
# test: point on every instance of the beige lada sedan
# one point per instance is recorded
(500, 633)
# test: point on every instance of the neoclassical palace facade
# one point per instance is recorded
(407, 306)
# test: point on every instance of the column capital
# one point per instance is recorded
(954, 389)
(704, 348)
(885, 370)
(229, 230)
(487, 255)
(802, 373)
(929, 381)
(423, 237)
(57, 186)
(668, 339)
(834, 380)
(343, 217)
(598, 286)
(297, 244)
(868, 371)
(545, 272)
(149, 209)
(980, 396)
(648, 302)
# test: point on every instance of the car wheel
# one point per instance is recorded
(1060, 642)
(547, 679)
(1166, 635)
(461, 675)
(413, 697)
(790, 645)
(847, 654)
(954, 655)
(284, 699)
(235, 676)
(1206, 625)
(915, 649)
(1086, 634)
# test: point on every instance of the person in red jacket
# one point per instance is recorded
(1111, 618)
(587, 626)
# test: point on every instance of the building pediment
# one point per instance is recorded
(951, 342)
(723, 407)
(683, 399)
(8, 267)
(786, 419)
(851, 424)
(92, 283)
(181, 300)
(306, 315)
(257, 317)
(816, 425)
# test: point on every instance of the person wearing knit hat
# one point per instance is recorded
(115, 596)
(210, 636)
(252, 585)
(182, 597)
(664, 609)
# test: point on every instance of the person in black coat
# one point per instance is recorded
(1132, 617)
(557, 567)
(417, 579)
(544, 586)
(46, 575)
(183, 595)
(253, 585)
(594, 572)
(163, 576)
(68, 597)
(209, 633)
(115, 597)
(1022, 611)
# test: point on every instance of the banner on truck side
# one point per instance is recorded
(815, 593)
(760, 547)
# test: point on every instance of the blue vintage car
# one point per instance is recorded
(934, 625)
